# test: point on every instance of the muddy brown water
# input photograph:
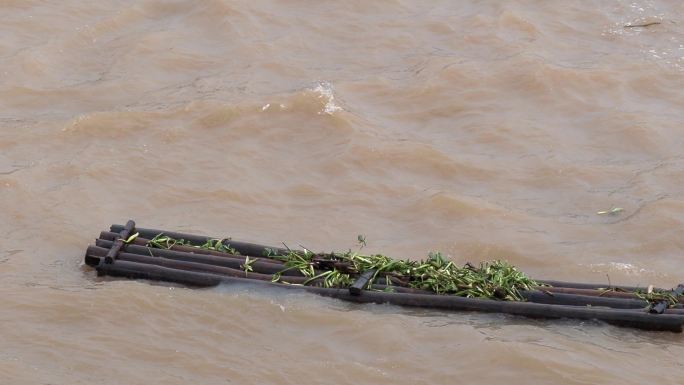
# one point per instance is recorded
(482, 129)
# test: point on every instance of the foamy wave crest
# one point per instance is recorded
(325, 92)
(626, 268)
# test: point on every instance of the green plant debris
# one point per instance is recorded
(611, 211)
(219, 245)
(495, 279)
(131, 238)
(642, 25)
(247, 266)
(161, 241)
(654, 297)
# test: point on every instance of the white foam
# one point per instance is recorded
(325, 91)
(627, 268)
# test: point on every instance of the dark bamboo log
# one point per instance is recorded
(592, 286)
(361, 282)
(399, 289)
(244, 248)
(141, 241)
(121, 268)
(582, 300)
(124, 233)
(596, 293)
(591, 292)
(228, 260)
(637, 319)
(674, 311)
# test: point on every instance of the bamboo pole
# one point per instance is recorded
(244, 248)
(594, 292)
(582, 300)
(590, 286)
(121, 268)
(141, 241)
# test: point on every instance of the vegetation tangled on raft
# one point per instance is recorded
(494, 280)
(654, 297)
(161, 241)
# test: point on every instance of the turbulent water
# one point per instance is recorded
(484, 129)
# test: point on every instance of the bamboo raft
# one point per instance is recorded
(125, 251)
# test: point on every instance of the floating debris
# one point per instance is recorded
(648, 24)
(434, 282)
(612, 211)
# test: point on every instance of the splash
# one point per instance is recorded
(319, 98)
(325, 92)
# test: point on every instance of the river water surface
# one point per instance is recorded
(484, 129)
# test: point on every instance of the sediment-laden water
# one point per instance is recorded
(481, 129)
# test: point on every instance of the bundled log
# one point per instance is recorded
(121, 253)
(234, 268)
(257, 250)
